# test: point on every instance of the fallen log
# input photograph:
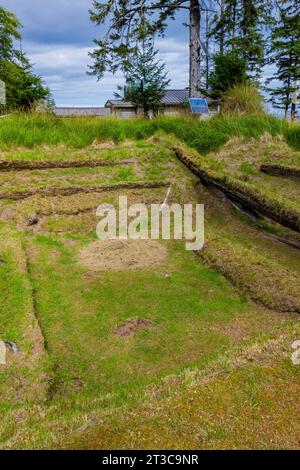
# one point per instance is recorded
(19, 165)
(281, 170)
(241, 193)
(69, 190)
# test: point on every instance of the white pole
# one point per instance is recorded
(294, 100)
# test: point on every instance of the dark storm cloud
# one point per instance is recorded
(57, 36)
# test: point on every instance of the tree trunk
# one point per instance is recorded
(287, 99)
(195, 17)
(234, 24)
(207, 51)
(222, 32)
(294, 100)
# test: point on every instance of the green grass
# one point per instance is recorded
(78, 312)
(25, 376)
(246, 404)
(243, 98)
(247, 168)
(242, 157)
(205, 136)
(97, 380)
(15, 292)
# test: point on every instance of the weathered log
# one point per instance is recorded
(281, 170)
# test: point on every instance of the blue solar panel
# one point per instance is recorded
(199, 106)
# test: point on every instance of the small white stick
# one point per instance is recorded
(166, 199)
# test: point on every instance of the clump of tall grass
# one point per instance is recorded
(243, 98)
(32, 130)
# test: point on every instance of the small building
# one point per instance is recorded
(175, 102)
(123, 109)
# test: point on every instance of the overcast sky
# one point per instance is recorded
(57, 36)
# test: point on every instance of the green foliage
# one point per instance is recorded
(243, 99)
(33, 130)
(292, 136)
(24, 89)
(247, 168)
(229, 70)
(9, 31)
(146, 79)
(285, 54)
(123, 29)
(238, 27)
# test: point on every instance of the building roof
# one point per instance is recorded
(119, 104)
(80, 111)
(175, 97)
(172, 97)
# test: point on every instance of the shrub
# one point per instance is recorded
(243, 99)
(229, 70)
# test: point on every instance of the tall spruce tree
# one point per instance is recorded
(9, 33)
(285, 56)
(23, 88)
(146, 78)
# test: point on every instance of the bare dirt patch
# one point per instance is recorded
(131, 326)
(122, 254)
(69, 190)
(20, 165)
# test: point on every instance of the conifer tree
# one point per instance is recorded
(239, 27)
(23, 88)
(285, 56)
(146, 79)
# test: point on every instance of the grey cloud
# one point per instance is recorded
(57, 36)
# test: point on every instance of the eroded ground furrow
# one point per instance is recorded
(26, 375)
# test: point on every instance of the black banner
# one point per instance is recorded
(136, 459)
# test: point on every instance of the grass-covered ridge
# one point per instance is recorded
(205, 136)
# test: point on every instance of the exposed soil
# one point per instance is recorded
(122, 254)
(69, 190)
(17, 165)
(131, 326)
